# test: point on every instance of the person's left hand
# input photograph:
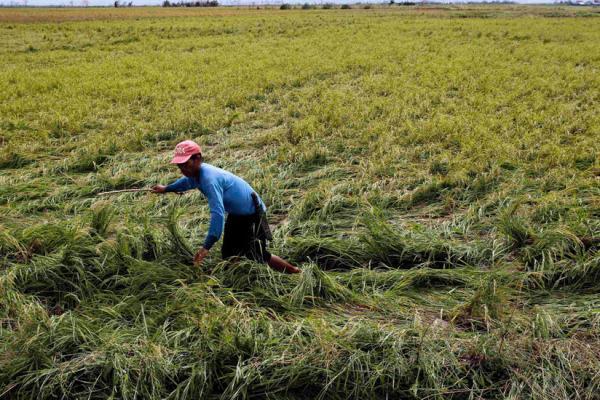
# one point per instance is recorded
(199, 257)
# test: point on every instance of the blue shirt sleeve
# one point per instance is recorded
(214, 195)
(180, 185)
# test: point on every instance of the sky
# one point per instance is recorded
(224, 2)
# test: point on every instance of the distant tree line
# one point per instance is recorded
(346, 6)
(309, 6)
(492, 2)
(210, 3)
(329, 6)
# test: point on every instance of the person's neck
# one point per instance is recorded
(197, 174)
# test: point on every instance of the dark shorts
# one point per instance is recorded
(246, 235)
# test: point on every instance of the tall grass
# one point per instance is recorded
(433, 172)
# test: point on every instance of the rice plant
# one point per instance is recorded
(433, 171)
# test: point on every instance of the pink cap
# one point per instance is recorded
(184, 150)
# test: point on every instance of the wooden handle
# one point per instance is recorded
(129, 191)
(124, 191)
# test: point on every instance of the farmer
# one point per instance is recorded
(246, 229)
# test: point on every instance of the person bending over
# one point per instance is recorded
(246, 228)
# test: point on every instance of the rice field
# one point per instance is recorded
(434, 172)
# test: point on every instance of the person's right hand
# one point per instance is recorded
(159, 189)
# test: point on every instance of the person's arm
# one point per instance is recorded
(214, 195)
(180, 185)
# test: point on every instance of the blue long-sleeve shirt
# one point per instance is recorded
(225, 192)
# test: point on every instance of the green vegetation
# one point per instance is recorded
(434, 171)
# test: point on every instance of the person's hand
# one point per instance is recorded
(159, 188)
(199, 257)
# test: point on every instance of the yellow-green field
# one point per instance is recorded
(433, 170)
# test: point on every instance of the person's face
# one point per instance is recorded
(190, 167)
